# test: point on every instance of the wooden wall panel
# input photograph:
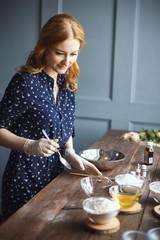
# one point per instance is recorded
(119, 64)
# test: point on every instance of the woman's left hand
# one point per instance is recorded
(81, 164)
(91, 168)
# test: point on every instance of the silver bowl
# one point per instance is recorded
(103, 159)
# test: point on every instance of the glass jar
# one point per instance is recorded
(148, 154)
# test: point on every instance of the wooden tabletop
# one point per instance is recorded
(43, 218)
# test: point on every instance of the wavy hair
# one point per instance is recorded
(57, 29)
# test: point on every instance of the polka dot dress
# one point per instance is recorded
(28, 106)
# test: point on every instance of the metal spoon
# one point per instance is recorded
(72, 207)
(63, 161)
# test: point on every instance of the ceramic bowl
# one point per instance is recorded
(155, 190)
(101, 210)
(127, 195)
(124, 179)
(96, 186)
(103, 159)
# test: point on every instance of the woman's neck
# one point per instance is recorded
(51, 73)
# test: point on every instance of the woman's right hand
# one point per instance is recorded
(42, 147)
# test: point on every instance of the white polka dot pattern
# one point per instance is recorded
(28, 106)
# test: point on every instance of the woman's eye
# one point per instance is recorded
(71, 54)
(74, 54)
(59, 53)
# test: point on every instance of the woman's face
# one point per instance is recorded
(61, 56)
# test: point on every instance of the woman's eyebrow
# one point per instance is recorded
(57, 49)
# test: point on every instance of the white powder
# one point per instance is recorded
(129, 179)
(93, 154)
(100, 205)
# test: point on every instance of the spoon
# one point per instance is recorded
(63, 161)
(72, 207)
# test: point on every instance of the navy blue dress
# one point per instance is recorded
(28, 106)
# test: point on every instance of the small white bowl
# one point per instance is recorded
(154, 188)
(101, 210)
(129, 179)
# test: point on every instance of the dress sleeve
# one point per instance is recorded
(14, 102)
(73, 133)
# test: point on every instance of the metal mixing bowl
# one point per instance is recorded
(103, 159)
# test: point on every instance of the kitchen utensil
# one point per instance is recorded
(134, 235)
(154, 234)
(103, 159)
(63, 161)
(88, 175)
(127, 195)
(96, 186)
(101, 210)
(154, 188)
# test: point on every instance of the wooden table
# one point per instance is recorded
(43, 218)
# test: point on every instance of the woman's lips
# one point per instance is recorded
(62, 67)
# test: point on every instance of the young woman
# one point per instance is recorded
(41, 96)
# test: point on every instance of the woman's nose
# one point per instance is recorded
(67, 60)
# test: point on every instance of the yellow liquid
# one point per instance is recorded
(125, 199)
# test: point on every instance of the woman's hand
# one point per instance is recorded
(42, 147)
(81, 164)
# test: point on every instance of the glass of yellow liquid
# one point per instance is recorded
(127, 195)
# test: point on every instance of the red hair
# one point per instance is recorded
(57, 29)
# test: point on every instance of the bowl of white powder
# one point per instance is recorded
(155, 190)
(129, 179)
(100, 210)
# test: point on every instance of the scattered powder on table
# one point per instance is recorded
(100, 205)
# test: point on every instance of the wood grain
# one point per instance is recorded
(43, 218)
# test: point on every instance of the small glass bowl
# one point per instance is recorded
(127, 195)
(96, 186)
(154, 233)
(154, 188)
(100, 210)
(134, 235)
